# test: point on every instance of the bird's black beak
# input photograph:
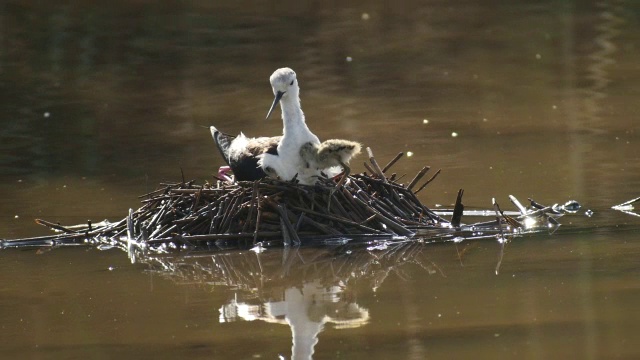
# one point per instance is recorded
(275, 102)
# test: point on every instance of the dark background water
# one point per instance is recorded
(101, 101)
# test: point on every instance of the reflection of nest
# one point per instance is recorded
(257, 272)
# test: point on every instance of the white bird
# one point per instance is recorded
(243, 153)
(288, 162)
(297, 154)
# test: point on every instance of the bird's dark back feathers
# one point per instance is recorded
(245, 163)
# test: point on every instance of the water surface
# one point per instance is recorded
(103, 101)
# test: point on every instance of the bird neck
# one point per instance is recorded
(292, 116)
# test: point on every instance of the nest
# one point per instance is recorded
(272, 212)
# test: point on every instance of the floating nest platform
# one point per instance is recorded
(271, 212)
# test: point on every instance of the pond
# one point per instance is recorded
(536, 99)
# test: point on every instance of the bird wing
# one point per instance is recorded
(332, 150)
(264, 145)
(245, 155)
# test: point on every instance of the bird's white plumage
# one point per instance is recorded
(289, 162)
(238, 146)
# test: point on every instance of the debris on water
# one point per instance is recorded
(454, 134)
(381, 246)
(571, 206)
(336, 241)
(529, 222)
(258, 248)
(521, 208)
(627, 205)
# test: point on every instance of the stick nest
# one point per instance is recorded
(272, 212)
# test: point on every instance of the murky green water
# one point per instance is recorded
(102, 101)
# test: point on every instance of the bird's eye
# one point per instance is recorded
(291, 82)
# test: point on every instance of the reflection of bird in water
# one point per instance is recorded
(243, 153)
(306, 309)
(288, 162)
(329, 154)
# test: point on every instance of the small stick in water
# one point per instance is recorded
(458, 210)
(521, 208)
(54, 226)
(502, 240)
(130, 230)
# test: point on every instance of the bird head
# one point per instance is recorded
(284, 85)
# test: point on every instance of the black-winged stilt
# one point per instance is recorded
(331, 154)
(297, 154)
(243, 153)
(288, 162)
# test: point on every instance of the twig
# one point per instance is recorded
(418, 176)
(428, 181)
(54, 226)
(458, 210)
(502, 240)
(252, 206)
(130, 229)
(369, 168)
(397, 227)
(393, 161)
(376, 167)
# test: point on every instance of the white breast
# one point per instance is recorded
(288, 162)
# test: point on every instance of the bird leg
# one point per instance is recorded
(346, 171)
(271, 172)
(345, 175)
(222, 173)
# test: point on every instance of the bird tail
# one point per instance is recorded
(223, 142)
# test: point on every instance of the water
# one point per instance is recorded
(101, 102)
